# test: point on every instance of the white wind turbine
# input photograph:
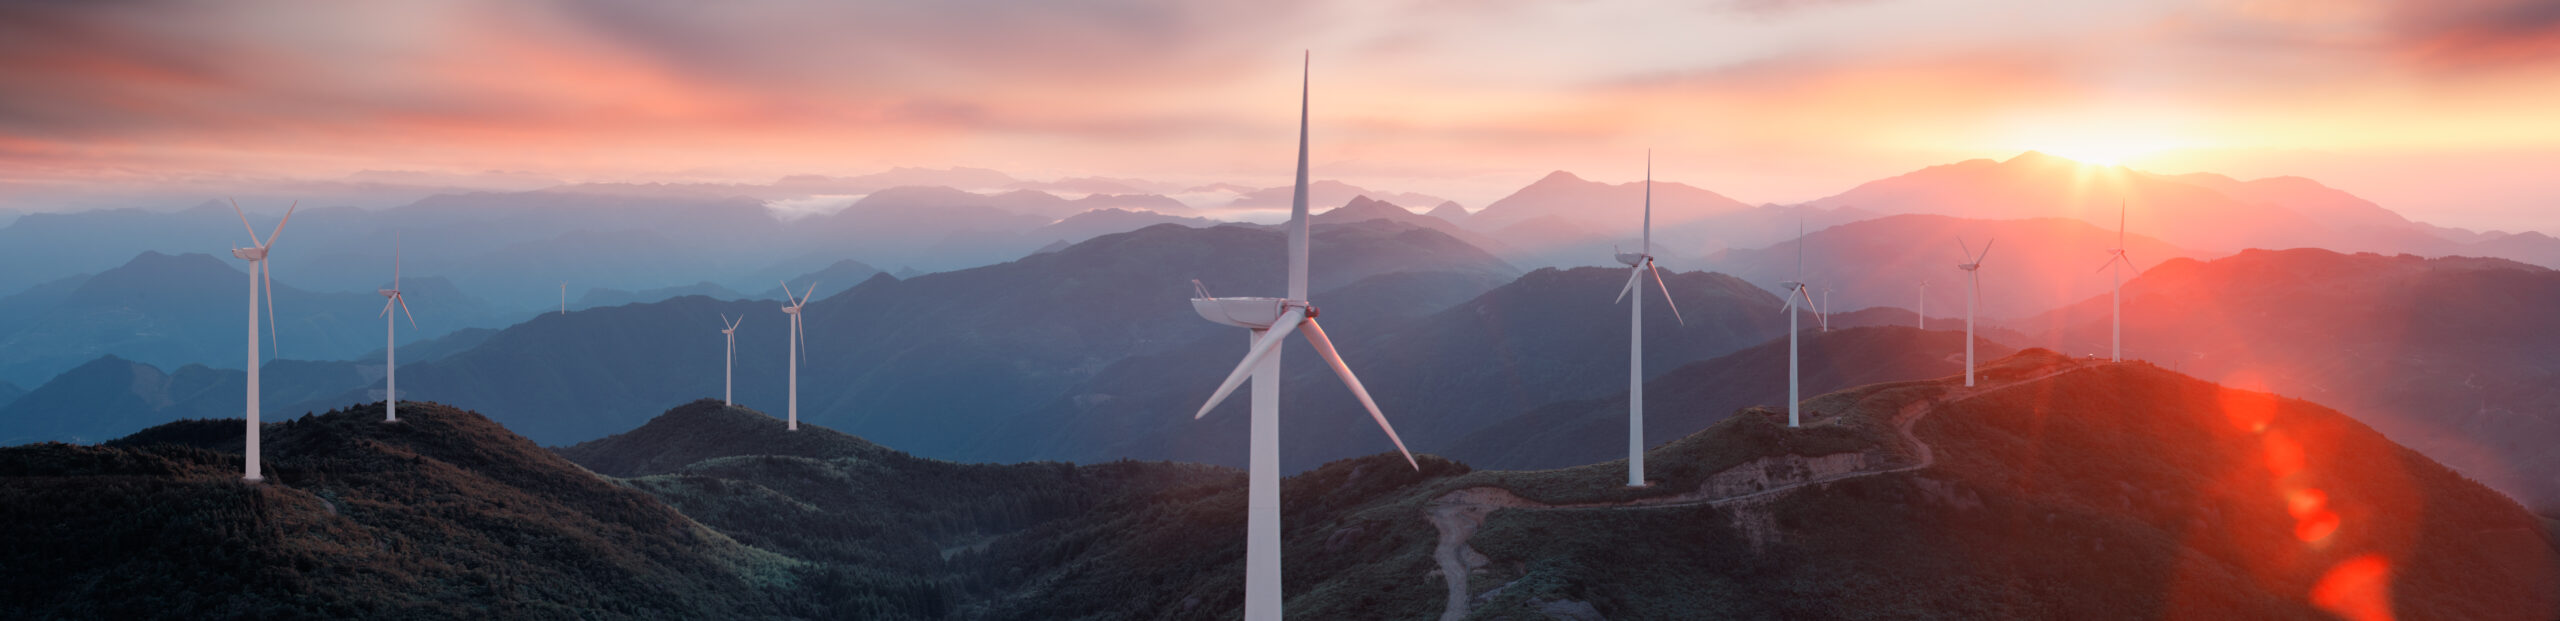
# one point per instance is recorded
(1973, 295)
(390, 361)
(1642, 263)
(797, 341)
(259, 277)
(1796, 291)
(2117, 259)
(1271, 320)
(1924, 305)
(729, 363)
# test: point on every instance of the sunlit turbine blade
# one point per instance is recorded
(288, 217)
(1666, 292)
(1986, 251)
(1633, 276)
(1324, 347)
(1298, 199)
(1790, 306)
(244, 224)
(395, 260)
(404, 310)
(1261, 349)
(1648, 203)
(386, 307)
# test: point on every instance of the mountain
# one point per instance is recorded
(2450, 356)
(112, 396)
(1099, 222)
(1362, 208)
(1688, 399)
(617, 297)
(2275, 213)
(442, 515)
(1448, 210)
(835, 278)
(10, 392)
(172, 311)
(1319, 192)
(1564, 216)
(2057, 489)
(918, 362)
(1551, 335)
(2034, 265)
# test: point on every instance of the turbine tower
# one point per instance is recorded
(797, 350)
(1271, 320)
(259, 277)
(1923, 313)
(1973, 295)
(729, 363)
(2117, 259)
(1642, 262)
(390, 344)
(1796, 291)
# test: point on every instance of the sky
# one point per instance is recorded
(2441, 109)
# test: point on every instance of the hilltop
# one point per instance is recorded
(445, 514)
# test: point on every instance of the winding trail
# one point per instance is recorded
(1459, 513)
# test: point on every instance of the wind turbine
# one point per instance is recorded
(729, 364)
(1271, 320)
(2117, 259)
(1796, 291)
(1973, 295)
(1642, 262)
(1825, 317)
(796, 344)
(390, 362)
(564, 297)
(1924, 305)
(259, 277)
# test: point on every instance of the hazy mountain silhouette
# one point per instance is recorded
(2453, 357)
(617, 297)
(1562, 213)
(882, 356)
(1448, 210)
(1549, 336)
(1319, 192)
(1689, 398)
(2035, 265)
(10, 392)
(2201, 211)
(171, 311)
(1090, 224)
(1362, 208)
(111, 396)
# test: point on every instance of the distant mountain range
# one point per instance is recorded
(2034, 265)
(2060, 488)
(172, 311)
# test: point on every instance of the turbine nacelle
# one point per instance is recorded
(1248, 313)
(253, 254)
(1632, 259)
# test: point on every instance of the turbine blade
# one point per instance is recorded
(1986, 251)
(404, 310)
(802, 336)
(1298, 199)
(1261, 349)
(395, 260)
(386, 308)
(288, 217)
(1666, 292)
(1791, 302)
(1968, 248)
(1633, 276)
(1324, 347)
(1648, 203)
(244, 223)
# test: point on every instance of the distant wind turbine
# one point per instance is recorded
(797, 348)
(1642, 262)
(2115, 297)
(1796, 291)
(1924, 305)
(729, 364)
(390, 344)
(564, 297)
(1973, 295)
(1826, 303)
(260, 277)
(1271, 320)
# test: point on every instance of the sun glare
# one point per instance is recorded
(2105, 152)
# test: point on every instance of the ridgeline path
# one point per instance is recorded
(1459, 513)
